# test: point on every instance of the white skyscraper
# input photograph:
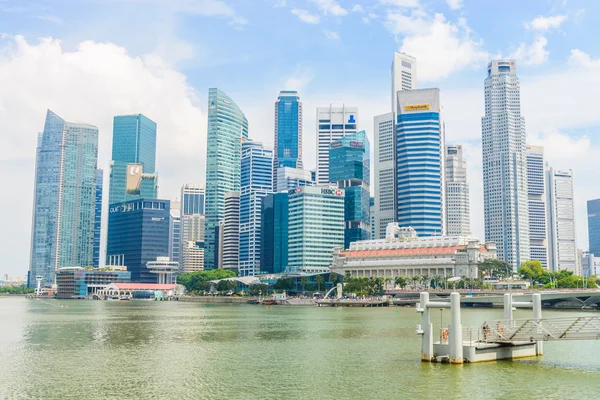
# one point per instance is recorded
(536, 190)
(333, 123)
(384, 176)
(458, 216)
(506, 214)
(562, 249)
(404, 75)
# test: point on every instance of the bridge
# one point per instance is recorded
(501, 339)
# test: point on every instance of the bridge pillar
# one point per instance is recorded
(508, 315)
(536, 299)
(455, 340)
(426, 328)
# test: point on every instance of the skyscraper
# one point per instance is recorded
(64, 200)
(274, 233)
(291, 178)
(458, 216)
(562, 248)
(227, 125)
(98, 217)
(230, 252)
(192, 199)
(288, 132)
(384, 175)
(593, 215)
(132, 170)
(256, 183)
(419, 162)
(505, 198)
(333, 123)
(175, 232)
(536, 191)
(404, 76)
(350, 169)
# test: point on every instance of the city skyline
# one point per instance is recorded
(534, 97)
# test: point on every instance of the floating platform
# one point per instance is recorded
(482, 352)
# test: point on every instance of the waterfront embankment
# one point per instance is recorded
(216, 299)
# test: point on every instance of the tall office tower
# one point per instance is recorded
(231, 232)
(350, 169)
(257, 182)
(315, 227)
(291, 178)
(288, 132)
(192, 199)
(562, 248)
(404, 76)
(98, 217)
(505, 197)
(62, 232)
(458, 216)
(274, 233)
(420, 188)
(536, 191)
(227, 126)
(384, 174)
(132, 174)
(372, 212)
(192, 242)
(138, 232)
(175, 241)
(593, 216)
(333, 123)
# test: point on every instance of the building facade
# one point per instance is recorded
(64, 201)
(230, 251)
(458, 215)
(505, 198)
(132, 170)
(593, 219)
(227, 125)
(192, 243)
(257, 181)
(419, 162)
(333, 123)
(78, 282)
(288, 132)
(175, 232)
(98, 217)
(291, 178)
(274, 233)
(590, 264)
(536, 191)
(192, 199)
(384, 172)
(562, 246)
(404, 75)
(138, 232)
(403, 253)
(350, 169)
(315, 227)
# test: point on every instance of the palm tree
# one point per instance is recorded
(319, 280)
(425, 279)
(401, 281)
(304, 282)
(415, 279)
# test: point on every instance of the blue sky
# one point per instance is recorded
(90, 60)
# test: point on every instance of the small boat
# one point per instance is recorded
(269, 302)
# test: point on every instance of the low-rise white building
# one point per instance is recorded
(403, 253)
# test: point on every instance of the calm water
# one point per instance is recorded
(130, 349)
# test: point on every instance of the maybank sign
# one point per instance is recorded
(416, 107)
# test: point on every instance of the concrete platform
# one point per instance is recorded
(481, 352)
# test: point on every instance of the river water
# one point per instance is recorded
(165, 350)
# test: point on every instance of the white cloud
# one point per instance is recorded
(440, 46)
(280, 3)
(533, 54)
(580, 59)
(455, 4)
(330, 7)
(330, 35)
(90, 84)
(299, 79)
(305, 16)
(542, 23)
(401, 3)
(357, 8)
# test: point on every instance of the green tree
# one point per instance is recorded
(303, 282)
(319, 280)
(532, 270)
(224, 286)
(401, 281)
(199, 282)
(334, 278)
(284, 284)
(493, 267)
(257, 289)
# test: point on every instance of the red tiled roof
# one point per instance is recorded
(404, 252)
(144, 286)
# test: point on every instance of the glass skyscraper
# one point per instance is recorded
(419, 174)
(192, 199)
(288, 130)
(536, 192)
(593, 217)
(64, 202)
(274, 233)
(256, 183)
(227, 125)
(132, 171)
(98, 217)
(349, 167)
